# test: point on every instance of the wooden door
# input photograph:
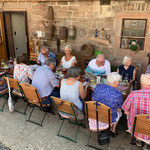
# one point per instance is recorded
(9, 35)
(3, 52)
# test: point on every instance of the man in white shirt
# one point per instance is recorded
(99, 66)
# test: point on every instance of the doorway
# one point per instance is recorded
(16, 33)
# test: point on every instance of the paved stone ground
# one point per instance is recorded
(18, 134)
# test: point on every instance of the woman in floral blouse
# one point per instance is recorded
(22, 71)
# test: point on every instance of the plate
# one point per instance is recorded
(6, 67)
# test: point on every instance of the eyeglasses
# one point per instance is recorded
(44, 54)
(102, 62)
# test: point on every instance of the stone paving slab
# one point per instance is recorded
(18, 134)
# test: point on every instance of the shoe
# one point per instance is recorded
(145, 147)
(114, 134)
(49, 109)
(138, 143)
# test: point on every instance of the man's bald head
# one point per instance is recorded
(145, 80)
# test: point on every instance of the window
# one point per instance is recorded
(133, 34)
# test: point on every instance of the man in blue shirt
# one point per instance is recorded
(45, 81)
(110, 96)
(45, 53)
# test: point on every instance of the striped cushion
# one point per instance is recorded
(93, 125)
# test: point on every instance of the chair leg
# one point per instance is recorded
(29, 120)
(3, 105)
(77, 134)
(60, 127)
(31, 113)
(26, 109)
(89, 138)
(73, 140)
(24, 113)
(43, 118)
(91, 146)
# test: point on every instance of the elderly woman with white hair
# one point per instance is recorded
(127, 70)
(109, 95)
(68, 60)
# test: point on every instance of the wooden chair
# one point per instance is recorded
(16, 91)
(34, 57)
(67, 111)
(32, 96)
(141, 125)
(95, 112)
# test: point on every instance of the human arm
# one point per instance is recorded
(133, 78)
(118, 70)
(127, 104)
(53, 80)
(82, 90)
(74, 61)
(38, 60)
(108, 68)
(148, 69)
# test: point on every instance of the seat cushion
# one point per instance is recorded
(80, 116)
(93, 125)
(16, 92)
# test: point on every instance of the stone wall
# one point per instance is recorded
(86, 16)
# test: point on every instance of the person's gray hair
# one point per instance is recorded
(99, 56)
(46, 48)
(68, 46)
(145, 80)
(74, 72)
(49, 61)
(112, 77)
(125, 59)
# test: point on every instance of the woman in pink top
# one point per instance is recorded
(22, 71)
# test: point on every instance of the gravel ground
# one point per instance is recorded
(18, 134)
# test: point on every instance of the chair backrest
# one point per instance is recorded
(64, 106)
(30, 92)
(141, 124)
(34, 56)
(13, 83)
(104, 112)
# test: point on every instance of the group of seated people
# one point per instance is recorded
(72, 89)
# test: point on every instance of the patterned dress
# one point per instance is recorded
(23, 73)
(109, 96)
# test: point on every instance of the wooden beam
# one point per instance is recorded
(37, 0)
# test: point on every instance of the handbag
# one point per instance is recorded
(10, 104)
(103, 136)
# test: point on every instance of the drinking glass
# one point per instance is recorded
(2, 63)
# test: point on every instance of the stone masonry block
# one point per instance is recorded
(74, 8)
(57, 8)
(78, 14)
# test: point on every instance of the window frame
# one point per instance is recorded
(133, 37)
